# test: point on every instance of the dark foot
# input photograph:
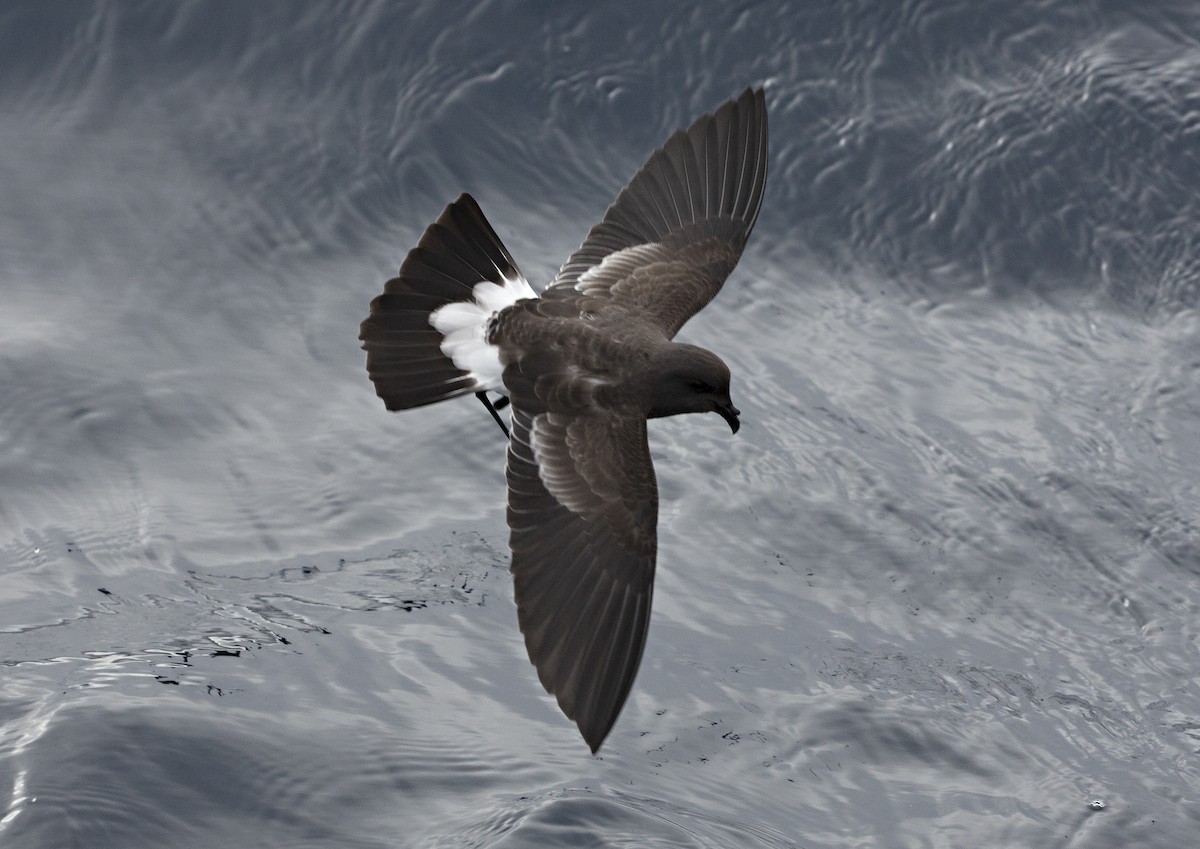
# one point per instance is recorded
(501, 404)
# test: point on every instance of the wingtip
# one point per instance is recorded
(595, 737)
(756, 95)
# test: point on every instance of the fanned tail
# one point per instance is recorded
(426, 335)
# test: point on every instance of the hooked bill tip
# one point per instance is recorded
(730, 415)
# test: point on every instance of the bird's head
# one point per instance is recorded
(688, 379)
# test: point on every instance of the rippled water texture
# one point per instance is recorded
(941, 590)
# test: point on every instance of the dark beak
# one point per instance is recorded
(730, 414)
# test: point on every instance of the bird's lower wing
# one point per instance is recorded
(582, 509)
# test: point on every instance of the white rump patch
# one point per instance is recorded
(464, 325)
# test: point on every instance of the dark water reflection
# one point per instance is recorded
(940, 590)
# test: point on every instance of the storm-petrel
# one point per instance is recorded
(584, 366)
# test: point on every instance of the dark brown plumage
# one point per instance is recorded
(585, 365)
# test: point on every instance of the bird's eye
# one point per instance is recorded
(700, 387)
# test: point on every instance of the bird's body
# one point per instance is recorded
(584, 365)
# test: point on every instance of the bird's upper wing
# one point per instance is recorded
(676, 231)
(582, 509)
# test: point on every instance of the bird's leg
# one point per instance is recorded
(501, 402)
(482, 396)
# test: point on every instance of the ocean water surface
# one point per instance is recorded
(941, 590)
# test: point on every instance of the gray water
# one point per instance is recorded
(942, 590)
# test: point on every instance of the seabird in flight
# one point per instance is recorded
(584, 366)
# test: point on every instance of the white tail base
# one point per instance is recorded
(464, 325)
